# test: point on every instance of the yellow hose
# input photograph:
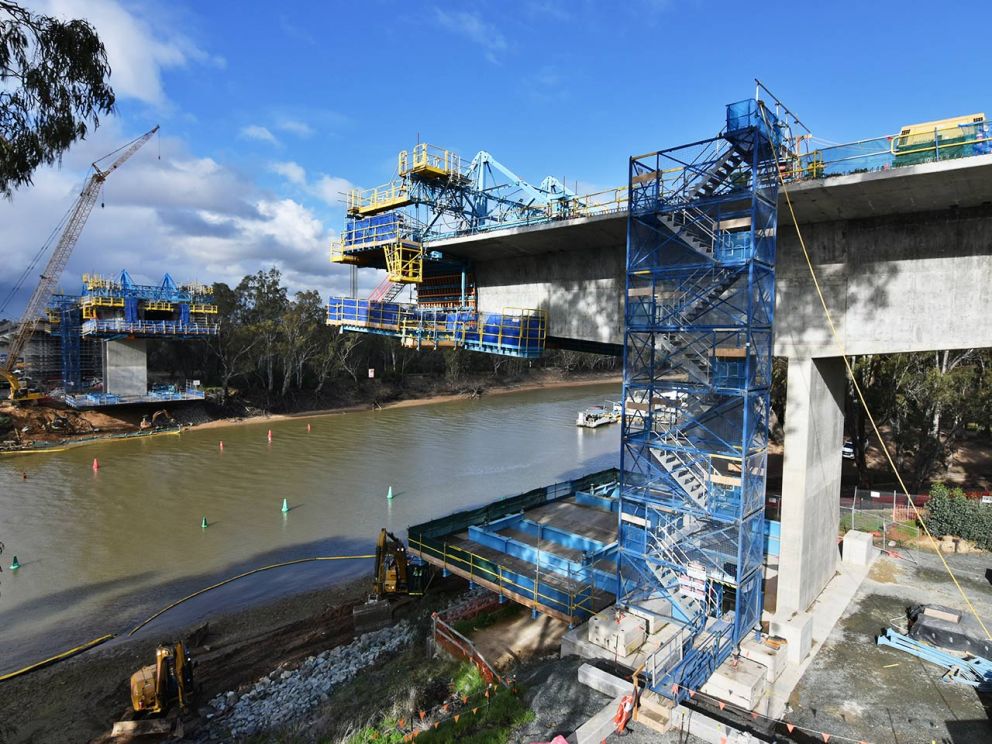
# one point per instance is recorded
(165, 609)
(97, 641)
(58, 657)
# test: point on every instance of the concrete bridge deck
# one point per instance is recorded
(904, 257)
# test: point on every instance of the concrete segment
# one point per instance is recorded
(740, 682)
(125, 367)
(811, 471)
(604, 682)
(858, 548)
(772, 659)
(598, 728)
(797, 630)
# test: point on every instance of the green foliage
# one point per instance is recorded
(53, 83)
(386, 733)
(468, 681)
(493, 724)
(950, 512)
(925, 401)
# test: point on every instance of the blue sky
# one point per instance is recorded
(270, 110)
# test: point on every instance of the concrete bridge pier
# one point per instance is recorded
(811, 473)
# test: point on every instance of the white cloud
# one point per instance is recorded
(259, 133)
(190, 216)
(137, 50)
(475, 29)
(329, 189)
(294, 126)
(292, 172)
(332, 190)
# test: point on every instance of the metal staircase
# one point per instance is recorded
(386, 291)
(699, 312)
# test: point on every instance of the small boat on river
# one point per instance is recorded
(595, 416)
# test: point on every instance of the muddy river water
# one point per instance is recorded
(101, 550)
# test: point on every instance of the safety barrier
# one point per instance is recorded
(116, 326)
(445, 637)
(514, 332)
(429, 161)
(545, 592)
(542, 592)
(366, 202)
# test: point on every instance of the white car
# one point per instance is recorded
(847, 450)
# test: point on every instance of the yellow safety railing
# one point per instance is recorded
(158, 305)
(429, 161)
(54, 317)
(404, 262)
(91, 301)
(338, 254)
(208, 309)
(95, 281)
(365, 202)
(599, 202)
(579, 600)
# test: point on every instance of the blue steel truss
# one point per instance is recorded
(697, 369)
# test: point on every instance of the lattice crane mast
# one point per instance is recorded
(57, 262)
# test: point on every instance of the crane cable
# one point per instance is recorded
(58, 228)
(861, 396)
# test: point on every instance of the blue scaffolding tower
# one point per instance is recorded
(67, 311)
(697, 370)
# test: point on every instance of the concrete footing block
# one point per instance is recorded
(858, 548)
(705, 728)
(738, 681)
(797, 631)
(604, 682)
(598, 728)
(772, 659)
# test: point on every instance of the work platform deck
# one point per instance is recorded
(551, 549)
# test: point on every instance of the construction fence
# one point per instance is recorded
(887, 514)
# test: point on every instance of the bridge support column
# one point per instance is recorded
(811, 471)
(125, 367)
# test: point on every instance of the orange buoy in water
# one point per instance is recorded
(222, 444)
(308, 427)
(96, 464)
(270, 435)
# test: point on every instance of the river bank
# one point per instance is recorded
(544, 382)
(79, 699)
(46, 429)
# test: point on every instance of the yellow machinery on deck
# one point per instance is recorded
(156, 687)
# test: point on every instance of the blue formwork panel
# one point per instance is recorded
(383, 228)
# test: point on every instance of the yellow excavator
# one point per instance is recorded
(169, 681)
(395, 576)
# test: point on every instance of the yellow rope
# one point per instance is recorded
(58, 657)
(178, 602)
(97, 641)
(864, 403)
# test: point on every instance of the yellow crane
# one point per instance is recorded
(56, 264)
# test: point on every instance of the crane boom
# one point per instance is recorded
(60, 257)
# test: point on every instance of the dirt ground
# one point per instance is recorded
(79, 699)
(857, 689)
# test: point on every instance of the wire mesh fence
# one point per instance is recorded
(887, 514)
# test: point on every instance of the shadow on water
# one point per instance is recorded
(123, 611)
(9, 617)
